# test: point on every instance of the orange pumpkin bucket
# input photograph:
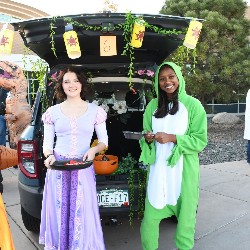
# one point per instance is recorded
(8, 157)
(105, 164)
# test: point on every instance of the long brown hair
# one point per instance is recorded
(60, 94)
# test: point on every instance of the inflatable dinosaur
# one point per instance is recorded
(18, 111)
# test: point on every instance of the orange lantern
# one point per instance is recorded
(71, 42)
(138, 33)
(193, 34)
(6, 40)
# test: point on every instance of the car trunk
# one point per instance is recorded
(155, 47)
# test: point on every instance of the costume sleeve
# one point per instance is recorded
(148, 150)
(100, 126)
(101, 115)
(195, 140)
(49, 130)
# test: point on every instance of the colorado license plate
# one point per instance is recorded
(113, 198)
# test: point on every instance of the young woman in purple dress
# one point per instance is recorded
(70, 216)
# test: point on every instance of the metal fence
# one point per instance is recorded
(229, 108)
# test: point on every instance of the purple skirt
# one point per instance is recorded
(70, 216)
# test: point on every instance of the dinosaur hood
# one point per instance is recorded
(177, 70)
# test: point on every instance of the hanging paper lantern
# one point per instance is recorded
(193, 34)
(138, 33)
(6, 40)
(72, 44)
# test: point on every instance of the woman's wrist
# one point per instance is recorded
(172, 138)
(99, 148)
(48, 155)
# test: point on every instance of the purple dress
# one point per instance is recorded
(70, 217)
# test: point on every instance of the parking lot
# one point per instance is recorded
(223, 218)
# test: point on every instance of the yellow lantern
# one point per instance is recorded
(138, 33)
(6, 40)
(193, 34)
(72, 44)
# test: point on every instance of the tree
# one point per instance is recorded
(222, 66)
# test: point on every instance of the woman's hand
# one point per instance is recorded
(89, 155)
(149, 136)
(49, 160)
(162, 137)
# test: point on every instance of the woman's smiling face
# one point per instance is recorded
(71, 85)
(168, 80)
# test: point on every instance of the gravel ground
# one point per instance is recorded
(225, 143)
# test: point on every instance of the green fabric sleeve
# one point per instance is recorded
(195, 140)
(148, 150)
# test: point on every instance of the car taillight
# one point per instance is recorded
(28, 158)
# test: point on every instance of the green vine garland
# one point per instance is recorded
(51, 35)
(141, 176)
(128, 49)
(39, 71)
(181, 56)
(136, 175)
(142, 179)
(131, 185)
(127, 28)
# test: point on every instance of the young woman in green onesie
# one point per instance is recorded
(175, 126)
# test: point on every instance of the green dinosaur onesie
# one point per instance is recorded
(173, 176)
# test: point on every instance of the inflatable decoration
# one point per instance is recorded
(6, 241)
(8, 157)
(18, 111)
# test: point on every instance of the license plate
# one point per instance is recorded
(113, 198)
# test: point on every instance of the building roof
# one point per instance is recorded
(20, 11)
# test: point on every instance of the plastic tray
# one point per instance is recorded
(132, 135)
(60, 165)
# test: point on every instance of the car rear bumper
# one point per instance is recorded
(114, 209)
(31, 199)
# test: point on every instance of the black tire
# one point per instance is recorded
(31, 223)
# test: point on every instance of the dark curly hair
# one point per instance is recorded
(165, 105)
(59, 92)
